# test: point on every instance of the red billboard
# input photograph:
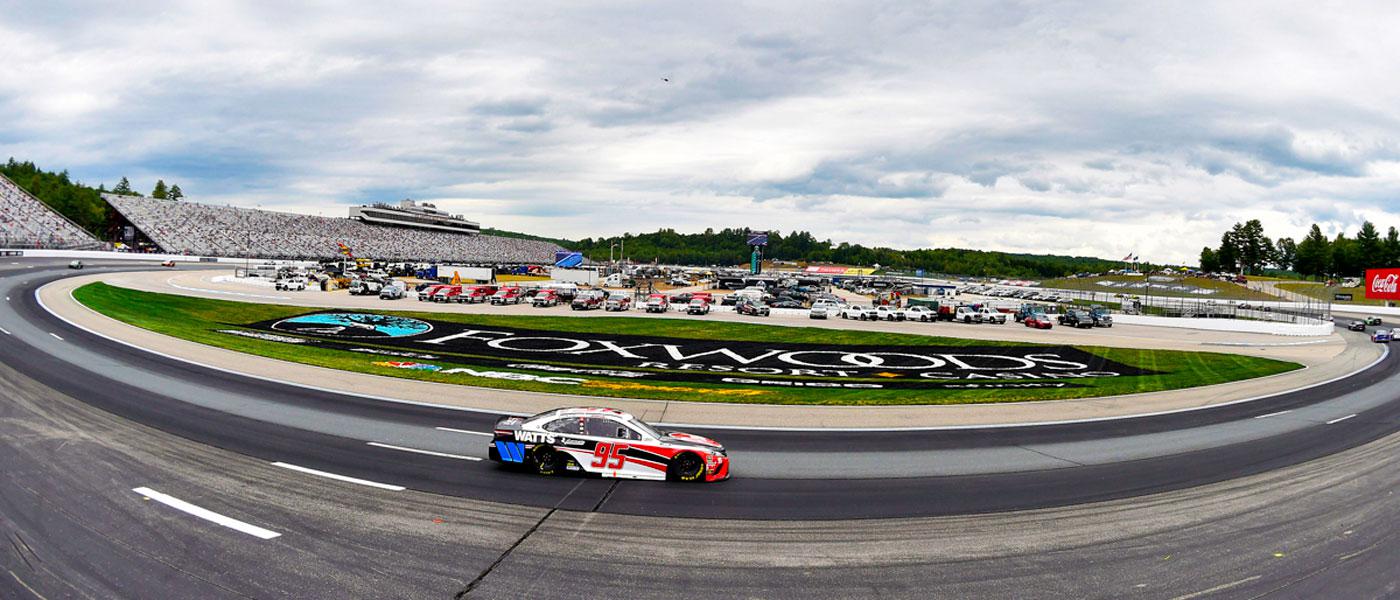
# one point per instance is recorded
(1381, 284)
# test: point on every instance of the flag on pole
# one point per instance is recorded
(1129, 257)
(345, 250)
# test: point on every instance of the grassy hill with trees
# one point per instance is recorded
(727, 247)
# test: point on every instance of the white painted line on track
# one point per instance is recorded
(206, 514)
(171, 282)
(1218, 588)
(55, 336)
(1274, 414)
(464, 431)
(1339, 420)
(4, 331)
(417, 451)
(366, 482)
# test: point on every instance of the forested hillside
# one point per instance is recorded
(727, 247)
(78, 202)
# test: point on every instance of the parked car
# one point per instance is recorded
(391, 292)
(922, 314)
(682, 298)
(823, 310)
(545, 299)
(1381, 336)
(588, 300)
(618, 303)
(290, 284)
(1077, 318)
(1037, 321)
(447, 293)
(728, 300)
(1357, 326)
(890, 313)
(426, 294)
(698, 306)
(859, 312)
(1101, 316)
(658, 303)
(476, 293)
(992, 315)
(508, 295)
(967, 314)
(786, 304)
(749, 307)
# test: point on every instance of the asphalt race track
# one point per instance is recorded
(1235, 493)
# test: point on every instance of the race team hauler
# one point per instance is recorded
(605, 442)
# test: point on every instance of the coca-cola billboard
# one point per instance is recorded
(1383, 284)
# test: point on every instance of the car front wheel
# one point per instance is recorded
(687, 467)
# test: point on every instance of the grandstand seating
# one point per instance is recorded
(207, 230)
(26, 222)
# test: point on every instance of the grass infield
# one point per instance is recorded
(199, 319)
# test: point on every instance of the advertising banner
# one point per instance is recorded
(437, 345)
(1381, 284)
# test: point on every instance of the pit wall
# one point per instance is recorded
(1239, 325)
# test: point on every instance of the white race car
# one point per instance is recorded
(605, 442)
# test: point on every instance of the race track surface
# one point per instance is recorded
(88, 420)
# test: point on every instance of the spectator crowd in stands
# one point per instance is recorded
(26, 222)
(207, 230)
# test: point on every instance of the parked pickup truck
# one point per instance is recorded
(477, 293)
(618, 302)
(991, 315)
(658, 303)
(447, 293)
(698, 306)
(508, 295)
(890, 313)
(1077, 318)
(588, 300)
(1100, 316)
(967, 314)
(860, 312)
(545, 299)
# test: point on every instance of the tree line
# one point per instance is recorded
(1245, 249)
(80, 203)
(729, 247)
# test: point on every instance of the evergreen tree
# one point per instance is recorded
(1229, 254)
(1370, 252)
(1346, 257)
(1210, 261)
(123, 188)
(160, 191)
(1391, 247)
(1285, 254)
(1253, 248)
(175, 193)
(1314, 254)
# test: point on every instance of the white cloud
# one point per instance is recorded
(1094, 128)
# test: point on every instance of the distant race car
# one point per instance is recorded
(169, 264)
(1373, 320)
(1381, 336)
(605, 442)
(77, 264)
(1357, 326)
(1038, 321)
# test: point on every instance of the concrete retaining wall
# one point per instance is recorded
(1240, 325)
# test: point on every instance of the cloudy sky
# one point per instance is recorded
(1077, 128)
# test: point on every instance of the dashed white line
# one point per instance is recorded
(1340, 419)
(55, 336)
(464, 431)
(418, 451)
(1274, 414)
(365, 482)
(206, 514)
(1218, 588)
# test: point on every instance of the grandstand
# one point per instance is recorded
(26, 222)
(207, 230)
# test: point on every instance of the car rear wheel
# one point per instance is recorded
(547, 460)
(687, 467)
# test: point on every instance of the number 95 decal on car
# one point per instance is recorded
(605, 442)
